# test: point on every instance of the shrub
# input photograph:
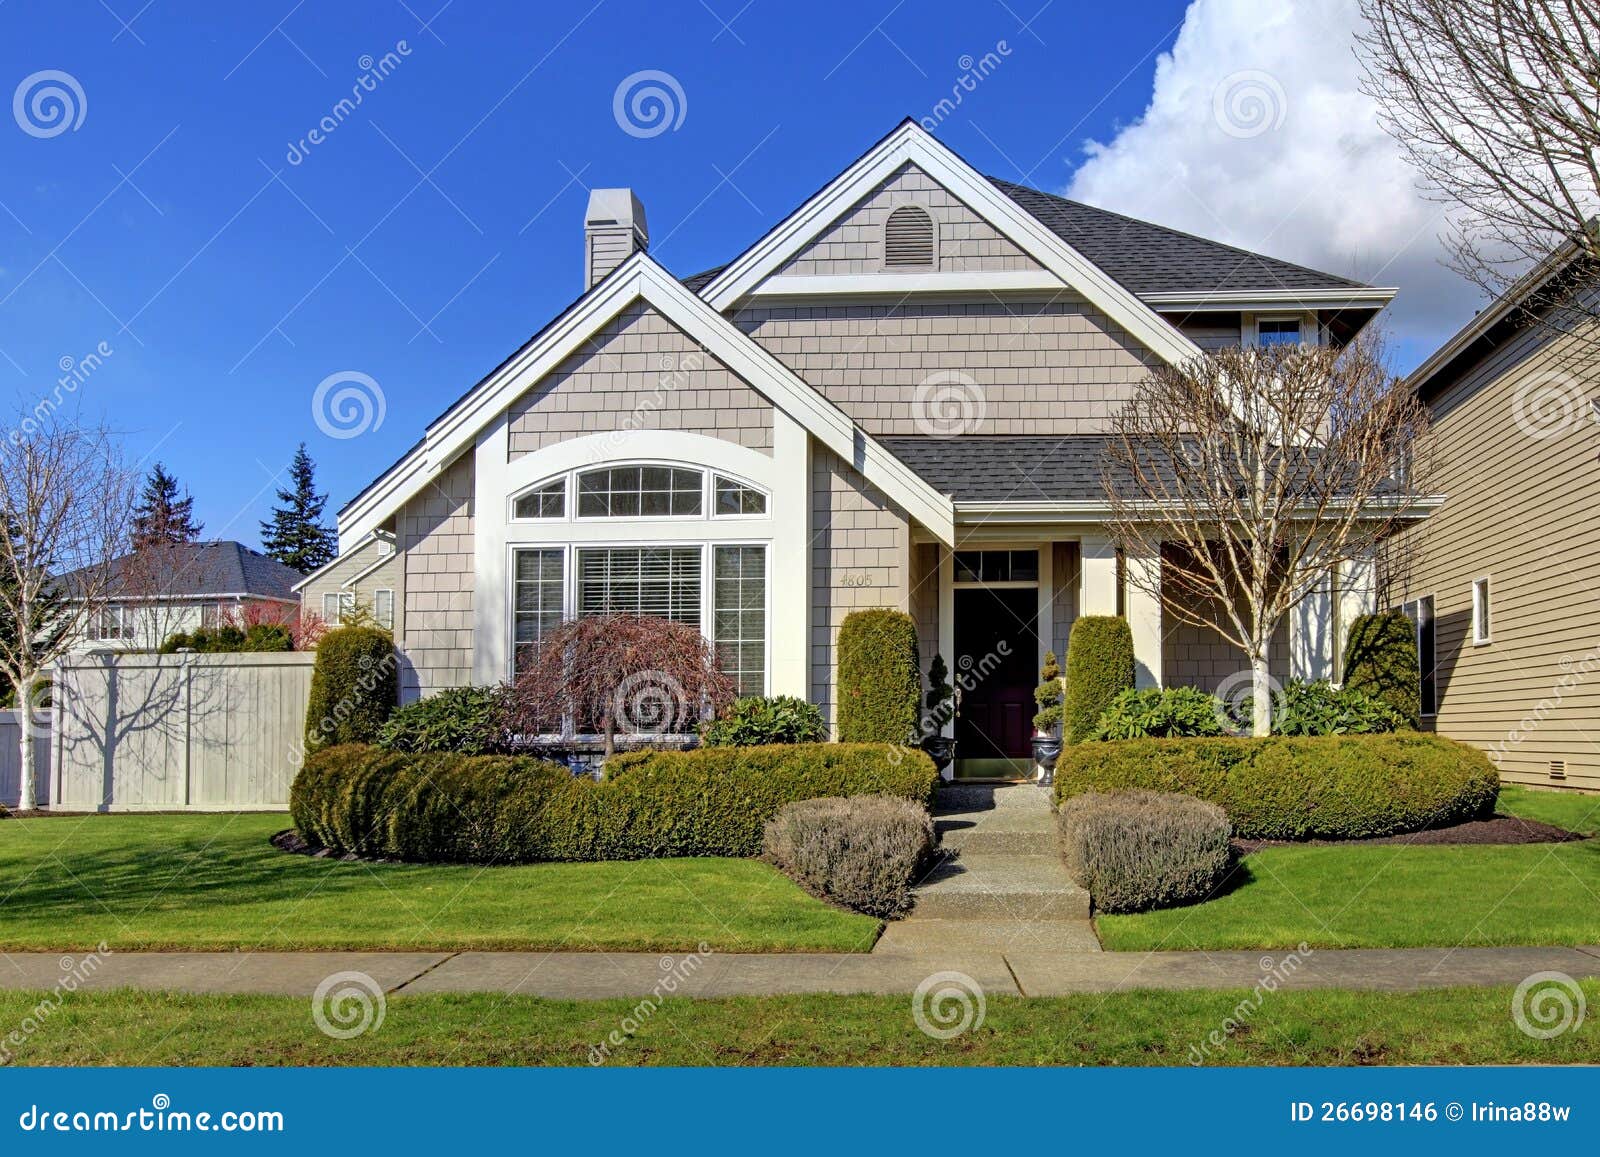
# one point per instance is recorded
(880, 677)
(1099, 668)
(756, 720)
(1320, 708)
(1048, 695)
(1173, 713)
(467, 720)
(1381, 660)
(1135, 850)
(940, 699)
(229, 638)
(862, 853)
(1335, 787)
(354, 685)
(446, 807)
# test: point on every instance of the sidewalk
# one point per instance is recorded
(599, 975)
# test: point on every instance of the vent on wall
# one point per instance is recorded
(908, 237)
(1558, 769)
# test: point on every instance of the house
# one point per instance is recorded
(895, 397)
(158, 591)
(366, 576)
(1500, 583)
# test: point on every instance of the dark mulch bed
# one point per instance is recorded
(290, 840)
(1498, 830)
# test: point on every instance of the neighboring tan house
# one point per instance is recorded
(893, 398)
(367, 575)
(1501, 582)
(163, 590)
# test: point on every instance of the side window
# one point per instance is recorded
(330, 608)
(383, 608)
(1420, 612)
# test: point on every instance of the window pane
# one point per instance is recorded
(383, 608)
(1024, 566)
(1278, 331)
(968, 563)
(639, 492)
(549, 501)
(659, 581)
(739, 622)
(536, 602)
(734, 499)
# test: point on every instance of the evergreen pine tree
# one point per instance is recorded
(296, 535)
(162, 518)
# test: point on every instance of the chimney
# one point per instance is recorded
(613, 229)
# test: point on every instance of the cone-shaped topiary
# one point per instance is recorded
(940, 699)
(354, 687)
(1099, 668)
(1048, 695)
(1381, 659)
(880, 677)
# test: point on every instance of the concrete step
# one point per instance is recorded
(1001, 887)
(987, 841)
(937, 939)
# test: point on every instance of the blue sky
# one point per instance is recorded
(439, 224)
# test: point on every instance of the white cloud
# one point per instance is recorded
(1257, 134)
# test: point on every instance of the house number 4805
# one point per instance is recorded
(855, 578)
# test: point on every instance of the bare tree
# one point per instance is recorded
(1253, 474)
(1497, 104)
(67, 500)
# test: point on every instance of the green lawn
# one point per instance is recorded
(1384, 896)
(214, 882)
(1452, 1026)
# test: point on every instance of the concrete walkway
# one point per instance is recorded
(597, 975)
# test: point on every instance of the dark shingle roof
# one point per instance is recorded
(695, 282)
(998, 468)
(203, 569)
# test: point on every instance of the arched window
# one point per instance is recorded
(640, 492)
(547, 501)
(908, 237)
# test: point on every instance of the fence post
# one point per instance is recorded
(188, 730)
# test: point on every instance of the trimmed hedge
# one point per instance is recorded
(1335, 787)
(1381, 660)
(1099, 668)
(861, 853)
(354, 687)
(880, 677)
(1135, 850)
(450, 808)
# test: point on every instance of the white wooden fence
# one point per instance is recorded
(161, 732)
(11, 756)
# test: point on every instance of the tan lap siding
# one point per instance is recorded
(385, 576)
(1522, 510)
(859, 559)
(435, 530)
(640, 372)
(1041, 367)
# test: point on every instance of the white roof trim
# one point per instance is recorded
(902, 284)
(910, 143)
(374, 536)
(1258, 299)
(641, 278)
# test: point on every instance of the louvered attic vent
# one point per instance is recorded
(908, 237)
(1558, 769)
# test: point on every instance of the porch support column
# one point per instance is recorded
(1311, 634)
(1144, 618)
(1097, 576)
(1357, 595)
(947, 622)
(789, 567)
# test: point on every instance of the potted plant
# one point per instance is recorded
(940, 701)
(1047, 723)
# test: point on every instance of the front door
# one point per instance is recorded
(996, 668)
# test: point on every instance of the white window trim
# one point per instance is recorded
(708, 496)
(1305, 322)
(376, 614)
(1482, 608)
(1432, 661)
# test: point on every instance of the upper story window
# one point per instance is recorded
(114, 621)
(640, 491)
(908, 237)
(547, 501)
(1278, 331)
(735, 498)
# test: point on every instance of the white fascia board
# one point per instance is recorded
(1258, 300)
(910, 143)
(907, 284)
(969, 513)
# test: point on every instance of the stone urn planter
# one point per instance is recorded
(1046, 750)
(941, 749)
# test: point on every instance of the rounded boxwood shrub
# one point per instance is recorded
(1319, 708)
(1099, 668)
(1381, 660)
(1135, 850)
(862, 853)
(354, 686)
(445, 807)
(1336, 787)
(1175, 712)
(756, 720)
(880, 677)
(468, 720)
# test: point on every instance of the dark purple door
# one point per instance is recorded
(996, 668)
